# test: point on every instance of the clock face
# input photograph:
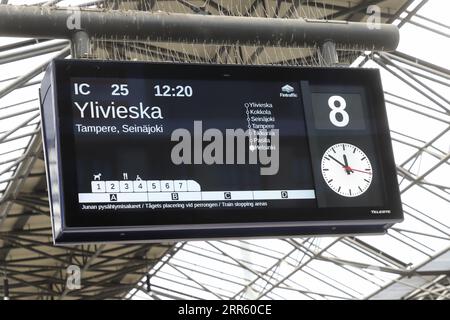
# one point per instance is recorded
(346, 169)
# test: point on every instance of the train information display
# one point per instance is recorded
(146, 152)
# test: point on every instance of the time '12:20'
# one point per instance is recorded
(175, 91)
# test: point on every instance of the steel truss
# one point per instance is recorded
(33, 268)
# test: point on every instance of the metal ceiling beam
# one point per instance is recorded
(201, 269)
(157, 267)
(414, 103)
(411, 272)
(426, 145)
(33, 50)
(187, 276)
(21, 44)
(402, 9)
(426, 173)
(386, 64)
(220, 8)
(296, 269)
(412, 13)
(352, 9)
(23, 169)
(30, 74)
(422, 184)
(374, 253)
(428, 115)
(310, 251)
(408, 73)
(47, 22)
(423, 26)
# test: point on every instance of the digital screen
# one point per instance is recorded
(136, 164)
(222, 147)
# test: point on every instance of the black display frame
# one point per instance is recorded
(202, 224)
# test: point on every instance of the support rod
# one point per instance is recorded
(80, 44)
(328, 54)
(50, 22)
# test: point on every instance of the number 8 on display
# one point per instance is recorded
(340, 109)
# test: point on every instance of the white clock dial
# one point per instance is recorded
(347, 170)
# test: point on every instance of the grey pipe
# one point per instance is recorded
(46, 22)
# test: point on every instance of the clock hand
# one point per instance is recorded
(349, 168)
(346, 167)
(343, 165)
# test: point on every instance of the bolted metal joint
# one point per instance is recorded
(328, 55)
(80, 44)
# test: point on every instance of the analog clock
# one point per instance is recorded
(346, 169)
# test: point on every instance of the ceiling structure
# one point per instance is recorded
(410, 262)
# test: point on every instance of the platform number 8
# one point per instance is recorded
(338, 109)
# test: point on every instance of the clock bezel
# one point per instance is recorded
(366, 186)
